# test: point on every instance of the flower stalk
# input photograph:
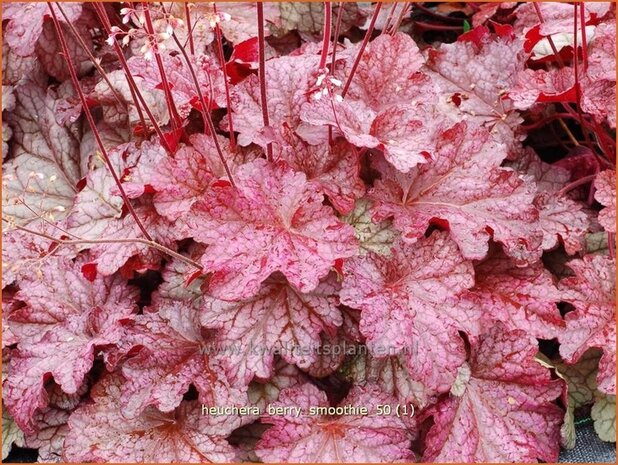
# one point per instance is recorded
(262, 75)
(359, 55)
(91, 122)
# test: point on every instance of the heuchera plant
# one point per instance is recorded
(316, 207)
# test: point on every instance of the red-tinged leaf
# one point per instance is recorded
(119, 245)
(279, 319)
(8, 103)
(175, 354)
(114, 138)
(18, 70)
(475, 36)
(172, 138)
(520, 297)
(39, 180)
(244, 58)
(9, 305)
(486, 11)
(541, 86)
(234, 158)
(180, 281)
(599, 85)
(480, 77)
(501, 407)
(596, 101)
(24, 253)
(242, 24)
(307, 19)
(98, 205)
(503, 30)
(262, 392)
(273, 220)
(51, 428)
(125, 113)
(25, 23)
(99, 432)
(466, 188)
(402, 299)
(49, 51)
(89, 270)
(592, 291)
(289, 80)
(557, 17)
(400, 132)
(182, 180)
(602, 53)
(179, 182)
(180, 80)
(597, 82)
(335, 168)
(329, 355)
(533, 37)
(561, 218)
(58, 331)
(334, 439)
(388, 105)
(387, 72)
(605, 194)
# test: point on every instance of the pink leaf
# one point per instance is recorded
(99, 432)
(400, 131)
(519, 297)
(52, 428)
(392, 375)
(279, 319)
(561, 218)
(59, 329)
(273, 220)
(121, 244)
(402, 302)
(466, 188)
(335, 168)
(388, 105)
(592, 291)
(501, 407)
(40, 178)
(473, 82)
(386, 74)
(185, 96)
(26, 23)
(334, 439)
(540, 86)
(289, 80)
(605, 194)
(174, 354)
